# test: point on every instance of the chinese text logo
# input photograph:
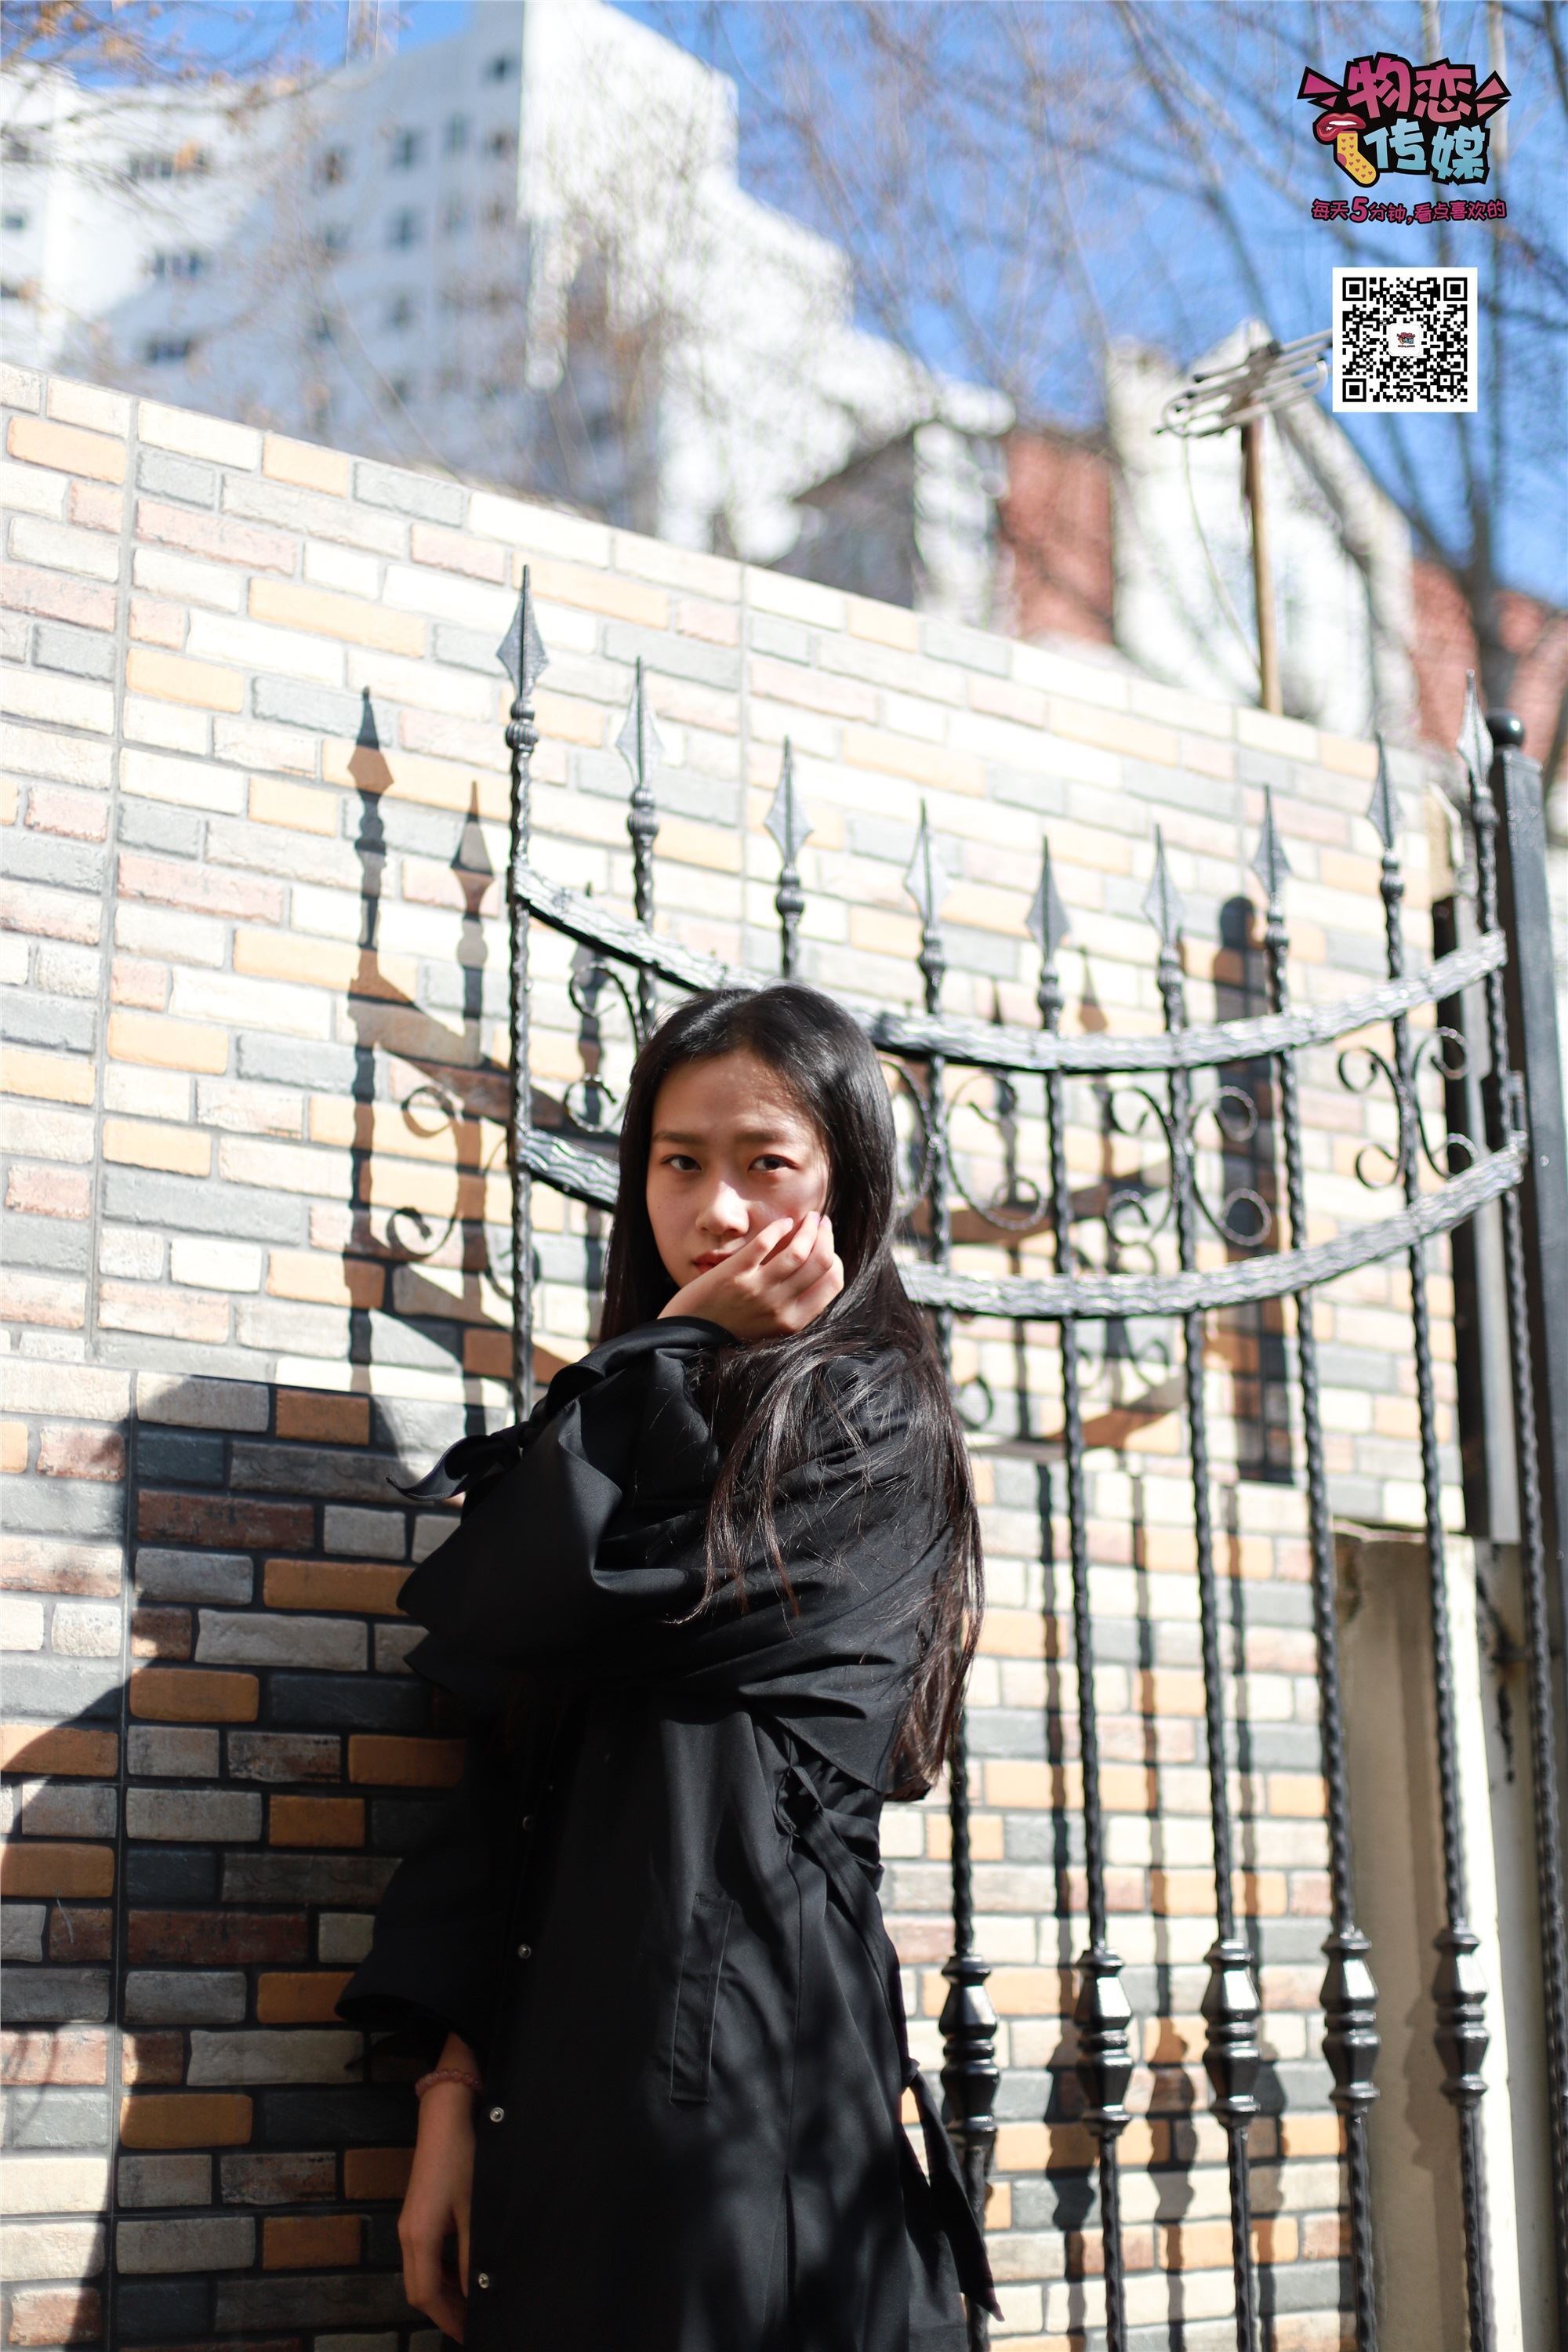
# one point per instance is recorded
(1388, 115)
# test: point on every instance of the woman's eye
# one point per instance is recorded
(769, 1162)
(681, 1161)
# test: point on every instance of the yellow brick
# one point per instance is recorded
(599, 592)
(434, 783)
(312, 469)
(67, 449)
(168, 1045)
(144, 1143)
(1025, 1992)
(9, 797)
(322, 614)
(37, 1867)
(175, 677)
(878, 931)
(1347, 757)
(882, 624)
(325, 1279)
(570, 720)
(1113, 730)
(931, 764)
(336, 964)
(13, 1447)
(273, 802)
(49, 1077)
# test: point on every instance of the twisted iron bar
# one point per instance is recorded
(1231, 2007)
(1350, 2041)
(1505, 1112)
(640, 748)
(1101, 2013)
(1458, 1988)
(521, 652)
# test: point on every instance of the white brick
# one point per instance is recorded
(169, 932)
(21, 1625)
(147, 1093)
(65, 702)
(54, 2184)
(280, 653)
(796, 600)
(88, 405)
(20, 388)
(419, 588)
(186, 1816)
(72, 1391)
(216, 1265)
(273, 1005)
(64, 759)
(327, 914)
(254, 743)
(92, 554)
(169, 725)
(199, 437)
(163, 572)
(131, 1254)
(341, 567)
(86, 1630)
(188, 783)
(32, 489)
(262, 1637)
(34, 1133)
(537, 531)
(55, 2250)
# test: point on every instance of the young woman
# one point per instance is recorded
(708, 1607)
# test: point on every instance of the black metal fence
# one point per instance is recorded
(1162, 1088)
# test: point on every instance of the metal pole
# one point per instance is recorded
(1262, 568)
(523, 654)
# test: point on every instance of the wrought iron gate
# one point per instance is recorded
(1164, 1087)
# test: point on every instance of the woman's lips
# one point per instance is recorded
(714, 1257)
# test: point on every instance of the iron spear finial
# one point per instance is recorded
(1384, 812)
(637, 741)
(1047, 920)
(785, 819)
(925, 877)
(1475, 743)
(1162, 901)
(1270, 865)
(522, 651)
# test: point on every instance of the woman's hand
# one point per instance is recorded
(778, 1281)
(440, 2190)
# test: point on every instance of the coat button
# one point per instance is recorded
(483, 2279)
(525, 1951)
(498, 2114)
(526, 1823)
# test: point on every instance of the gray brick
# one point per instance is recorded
(354, 2299)
(222, 1576)
(185, 1997)
(429, 833)
(83, 652)
(269, 2054)
(57, 1808)
(325, 709)
(947, 641)
(22, 1931)
(767, 634)
(146, 824)
(13, 637)
(273, 850)
(287, 1756)
(425, 495)
(337, 1475)
(54, 1996)
(71, 1507)
(210, 2243)
(267, 1638)
(47, 2118)
(31, 1018)
(63, 865)
(366, 1535)
(343, 1936)
(156, 1751)
(285, 1061)
(160, 471)
(193, 1205)
(412, 1430)
(296, 2178)
(315, 512)
(186, 1816)
(467, 648)
(306, 1878)
(674, 656)
(59, 1687)
(47, 1242)
(165, 2180)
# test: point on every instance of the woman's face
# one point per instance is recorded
(731, 1152)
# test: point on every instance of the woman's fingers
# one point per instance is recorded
(425, 2283)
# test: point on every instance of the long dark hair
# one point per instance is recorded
(761, 1396)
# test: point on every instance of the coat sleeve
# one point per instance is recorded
(592, 1546)
(433, 1966)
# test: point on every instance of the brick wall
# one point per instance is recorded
(254, 809)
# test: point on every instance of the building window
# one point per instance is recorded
(500, 214)
(14, 223)
(334, 238)
(12, 292)
(400, 310)
(405, 146)
(501, 144)
(179, 165)
(456, 139)
(188, 263)
(333, 168)
(14, 150)
(158, 350)
(401, 388)
(321, 330)
(402, 228)
(454, 218)
(500, 69)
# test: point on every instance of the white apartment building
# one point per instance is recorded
(521, 253)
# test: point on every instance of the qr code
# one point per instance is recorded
(1404, 338)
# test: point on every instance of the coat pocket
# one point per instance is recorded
(696, 1997)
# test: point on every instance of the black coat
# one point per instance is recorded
(651, 1907)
